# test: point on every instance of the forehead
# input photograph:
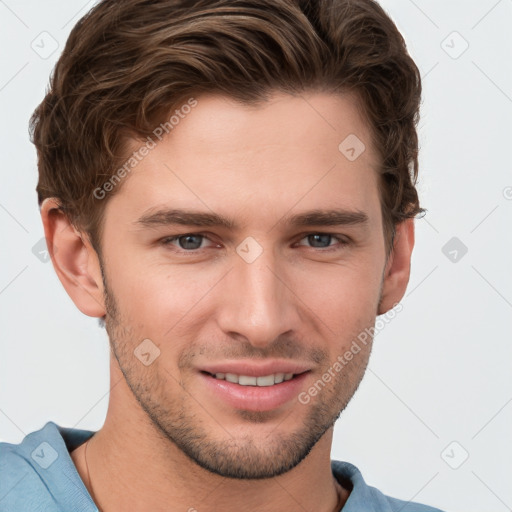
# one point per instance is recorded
(222, 155)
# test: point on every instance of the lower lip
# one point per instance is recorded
(255, 398)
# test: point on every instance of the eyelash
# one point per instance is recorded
(343, 242)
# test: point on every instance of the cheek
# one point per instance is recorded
(341, 304)
(154, 298)
(341, 290)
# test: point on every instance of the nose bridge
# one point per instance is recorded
(258, 304)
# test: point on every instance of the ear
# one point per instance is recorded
(74, 260)
(398, 267)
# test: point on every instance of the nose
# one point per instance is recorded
(258, 302)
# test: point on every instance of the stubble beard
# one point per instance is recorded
(230, 457)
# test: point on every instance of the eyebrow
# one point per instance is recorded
(317, 217)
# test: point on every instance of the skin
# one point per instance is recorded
(296, 301)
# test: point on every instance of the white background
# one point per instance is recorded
(440, 371)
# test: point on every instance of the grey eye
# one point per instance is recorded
(191, 242)
(319, 239)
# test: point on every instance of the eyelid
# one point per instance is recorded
(167, 240)
(342, 240)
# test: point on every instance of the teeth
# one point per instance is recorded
(269, 380)
(246, 380)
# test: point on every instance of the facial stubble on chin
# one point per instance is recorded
(241, 457)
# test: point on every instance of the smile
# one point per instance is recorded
(264, 392)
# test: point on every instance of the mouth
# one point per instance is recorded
(262, 391)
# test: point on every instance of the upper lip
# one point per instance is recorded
(255, 369)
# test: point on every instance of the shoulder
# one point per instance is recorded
(364, 497)
(35, 472)
(21, 485)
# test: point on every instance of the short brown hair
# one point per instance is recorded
(127, 64)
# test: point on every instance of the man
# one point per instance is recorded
(229, 186)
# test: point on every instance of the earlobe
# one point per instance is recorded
(74, 260)
(398, 268)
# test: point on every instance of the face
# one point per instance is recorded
(245, 307)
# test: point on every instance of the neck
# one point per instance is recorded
(132, 466)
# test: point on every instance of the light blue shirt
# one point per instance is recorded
(38, 475)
